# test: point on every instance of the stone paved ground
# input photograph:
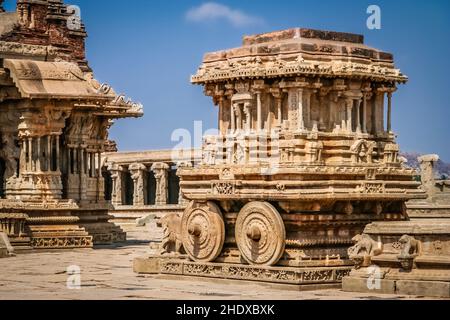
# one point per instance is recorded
(106, 273)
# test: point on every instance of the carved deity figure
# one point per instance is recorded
(209, 151)
(314, 150)
(9, 152)
(362, 151)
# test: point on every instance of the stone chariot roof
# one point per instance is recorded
(299, 52)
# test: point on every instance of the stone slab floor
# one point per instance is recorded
(106, 273)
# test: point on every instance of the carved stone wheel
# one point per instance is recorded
(260, 234)
(203, 231)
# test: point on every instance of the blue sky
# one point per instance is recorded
(149, 49)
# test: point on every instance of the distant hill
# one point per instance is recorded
(442, 168)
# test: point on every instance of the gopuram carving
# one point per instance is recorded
(303, 161)
(54, 121)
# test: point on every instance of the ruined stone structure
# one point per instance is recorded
(6, 250)
(142, 184)
(303, 161)
(437, 204)
(412, 257)
(54, 121)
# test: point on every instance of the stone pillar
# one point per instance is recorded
(116, 177)
(427, 164)
(308, 109)
(57, 154)
(233, 116)
(137, 174)
(181, 199)
(279, 102)
(301, 120)
(30, 155)
(349, 105)
(258, 112)
(248, 117)
(23, 158)
(38, 155)
(364, 114)
(389, 112)
(379, 111)
(49, 153)
(161, 171)
(238, 117)
(82, 171)
(358, 115)
(100, 186)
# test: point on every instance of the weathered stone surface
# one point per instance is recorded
(361, 285)
(6, 249)
(423, 288)
(106, 273)
(415, 255)
(147, 265)
(302, 162)
(54, 121)
(299, 52)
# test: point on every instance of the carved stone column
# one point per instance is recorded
(364, 112)
(234, 107)
(307, 112)
(358, 115)
(181, 199)
(116, 177)
(137, 171)
(258, 112)
(82, 171)
(349, 106)
(301, 120)
(389, 112)
(427, 164)
(248, 117)
(277, 94)
(161, 171)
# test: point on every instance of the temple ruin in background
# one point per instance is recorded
(54, 122)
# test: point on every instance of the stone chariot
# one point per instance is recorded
(304, 159)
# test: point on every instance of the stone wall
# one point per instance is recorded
(144, 183)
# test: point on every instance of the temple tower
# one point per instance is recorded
(54, 122)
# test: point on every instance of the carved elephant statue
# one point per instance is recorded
(171, 242)
(411, 246)
(364, 249)
(364, 246)
(410, 250)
